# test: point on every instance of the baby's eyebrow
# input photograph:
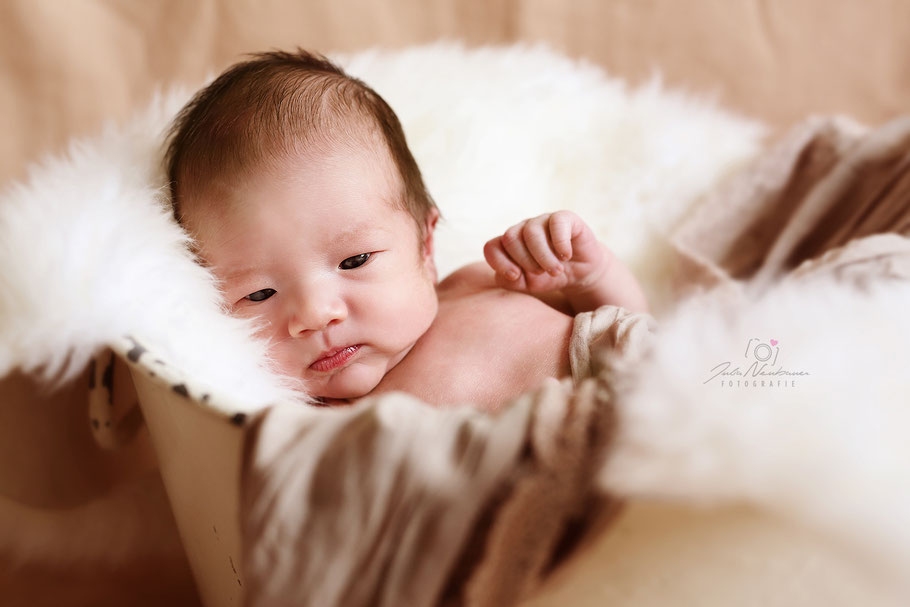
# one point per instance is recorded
(359, 230)
(241, 273)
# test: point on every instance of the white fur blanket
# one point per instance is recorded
(88, 253)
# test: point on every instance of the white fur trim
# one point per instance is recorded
(90, 253)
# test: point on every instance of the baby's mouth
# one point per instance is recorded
(333, 359)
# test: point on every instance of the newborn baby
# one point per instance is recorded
(304, 200)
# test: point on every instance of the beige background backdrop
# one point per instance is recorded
(66, 65)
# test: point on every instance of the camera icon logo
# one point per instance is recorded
(763, 352)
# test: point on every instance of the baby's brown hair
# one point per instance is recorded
(273, 106)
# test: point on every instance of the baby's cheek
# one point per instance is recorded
(287, 362)
(264, 326)
(413, 306)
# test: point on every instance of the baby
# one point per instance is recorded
(304, 200)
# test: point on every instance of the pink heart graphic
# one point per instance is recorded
(773, 342)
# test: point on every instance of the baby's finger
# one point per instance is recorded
(500, 261)
(513, 243)
(538, 244)
(560, 228)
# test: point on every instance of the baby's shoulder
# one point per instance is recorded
(470, 278)
(479, 280)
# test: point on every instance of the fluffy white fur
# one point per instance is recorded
(89, 252)
(505, 134)
(830, 452)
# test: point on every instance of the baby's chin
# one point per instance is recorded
(352, 382)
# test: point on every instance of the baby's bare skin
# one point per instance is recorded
(486, 345)
(343, 285)
(499, 330)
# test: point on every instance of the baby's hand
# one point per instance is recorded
(559, 252)
(551, 252)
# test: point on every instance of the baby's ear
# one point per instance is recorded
(428, 228)
(428, 249)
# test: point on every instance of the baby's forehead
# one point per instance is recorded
(361, 185)
(281, 163)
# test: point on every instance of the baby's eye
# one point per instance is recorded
(354, 262)
(260, 295)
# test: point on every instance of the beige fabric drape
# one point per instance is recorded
(831, 198)
(65, 67)
(393, 502)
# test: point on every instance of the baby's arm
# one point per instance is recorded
(558, 252)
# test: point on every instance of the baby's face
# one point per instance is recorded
(338, 276)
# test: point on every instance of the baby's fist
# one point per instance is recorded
(551, 252)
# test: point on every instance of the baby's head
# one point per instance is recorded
(303, 198)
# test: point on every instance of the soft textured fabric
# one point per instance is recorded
(396, 503)
(819, 200)
(607, 330)
(805, 254)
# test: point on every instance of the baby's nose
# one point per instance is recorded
(315, 313)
